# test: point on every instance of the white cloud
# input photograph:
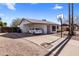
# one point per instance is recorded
(1, 14)
(57, 7)
(10, 6)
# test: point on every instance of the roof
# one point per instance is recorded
(65, 25)
(38, 21)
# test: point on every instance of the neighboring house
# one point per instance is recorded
(76, 27)
(65, 27)
(46, 26)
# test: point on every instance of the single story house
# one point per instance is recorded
(46, 26)
(65, 27)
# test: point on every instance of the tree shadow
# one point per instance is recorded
(16, 35)
(20, 35)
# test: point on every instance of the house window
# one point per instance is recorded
(53, 28)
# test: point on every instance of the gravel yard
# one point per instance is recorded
(17, 44)
(10, 47)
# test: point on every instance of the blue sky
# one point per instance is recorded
(49, 11)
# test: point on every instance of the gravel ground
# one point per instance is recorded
(10, 47)
(37, 39)
(19, 44)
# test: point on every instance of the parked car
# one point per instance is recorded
(35, 31)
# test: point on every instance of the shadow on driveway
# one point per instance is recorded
(16, 35)
(19, 35)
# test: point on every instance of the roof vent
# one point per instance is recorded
(43, 19)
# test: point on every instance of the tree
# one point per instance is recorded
(76, 20)
(1, 23)
(0, 18)
(15, 22)
(4, 24)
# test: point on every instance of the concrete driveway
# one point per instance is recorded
(42, 39)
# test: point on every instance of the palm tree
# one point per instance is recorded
(60, 17)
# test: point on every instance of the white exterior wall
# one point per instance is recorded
(23, 28)
(42, 26)
(45, 29)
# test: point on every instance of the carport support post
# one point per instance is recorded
(69, 19)
(72, 20)
(61, 28)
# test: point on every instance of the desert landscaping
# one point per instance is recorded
(23, 44)
(17, 47)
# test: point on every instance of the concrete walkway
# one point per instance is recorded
(71, 49)
(56, 46)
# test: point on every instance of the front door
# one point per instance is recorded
(48, 29)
